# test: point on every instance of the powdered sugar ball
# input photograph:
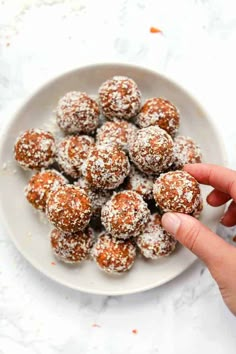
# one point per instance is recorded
(98, 197)
(72, 248)
(77, 113)
(185, 151)
(69, 208)
(151, 150)
(140, 183)
(106, 166)
(160, 112)
(112, 255)
(72, 151)
(155, 242)
(35, 149)
(125, 214)
(40, 185)
(119, 131)
(177, 191)
(120, 98)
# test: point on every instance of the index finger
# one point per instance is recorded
(221, 178)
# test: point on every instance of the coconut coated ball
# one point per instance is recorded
(77, 113)
(177, 191)
(125, 214)
(151, 150)
(112, 255)
(119, 98)
(35, 149)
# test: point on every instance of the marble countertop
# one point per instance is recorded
(42, 38)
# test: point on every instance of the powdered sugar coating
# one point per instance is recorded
(72, 151)
(177, 191)
(69, 208)
(35, 149)
(119, 132)
(40, 185)
(77, 113)
(185, 151)
(72, 248)
(161, 112)
(113, 256)
(120, 98)
(125, 214)
(98, 197)
(151, 150)
(155, 242)
(106, 166)
(140, 183)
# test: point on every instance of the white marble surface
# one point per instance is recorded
(40, 39)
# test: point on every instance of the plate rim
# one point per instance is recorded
(3, 136)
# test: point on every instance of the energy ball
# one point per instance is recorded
(40, 185)
(155, 242)
(177, 191)
(69, 208)
(118, 131)
(151, 150)
(35, 149)
(77, 113)
(72, 151)
(125, 215)
(140, 183)
(120, 98)
(113, 256)
(98, 197)
(160, 112)
(106, 166)
(185, 151)
(72, 248)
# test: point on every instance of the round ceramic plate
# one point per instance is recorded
(30, 231)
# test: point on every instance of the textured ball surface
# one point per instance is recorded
(140, 183)
(72, 248)
(113, 256)
(125, 214)
(155, 242)
(69, 208)
(35, 149)
(120, 98)
(160, 112)
(40, 185)
(185, 151)
(106, 166)
(77, 113)
(118, 131)
(177, 191)
(151, 150)
(72, 151)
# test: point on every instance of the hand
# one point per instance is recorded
(219, 256)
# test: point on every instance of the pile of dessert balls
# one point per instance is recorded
(105, 184)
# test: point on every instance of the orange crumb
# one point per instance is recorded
(155, 30)
(53, 263)
(134, 331)
(96, 325)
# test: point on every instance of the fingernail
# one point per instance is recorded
(171, 222)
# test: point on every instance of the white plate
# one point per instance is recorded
(30, 233)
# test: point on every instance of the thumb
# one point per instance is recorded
(198, 238)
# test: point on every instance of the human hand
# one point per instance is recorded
(219, 256)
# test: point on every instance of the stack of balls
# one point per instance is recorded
(112, 173)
